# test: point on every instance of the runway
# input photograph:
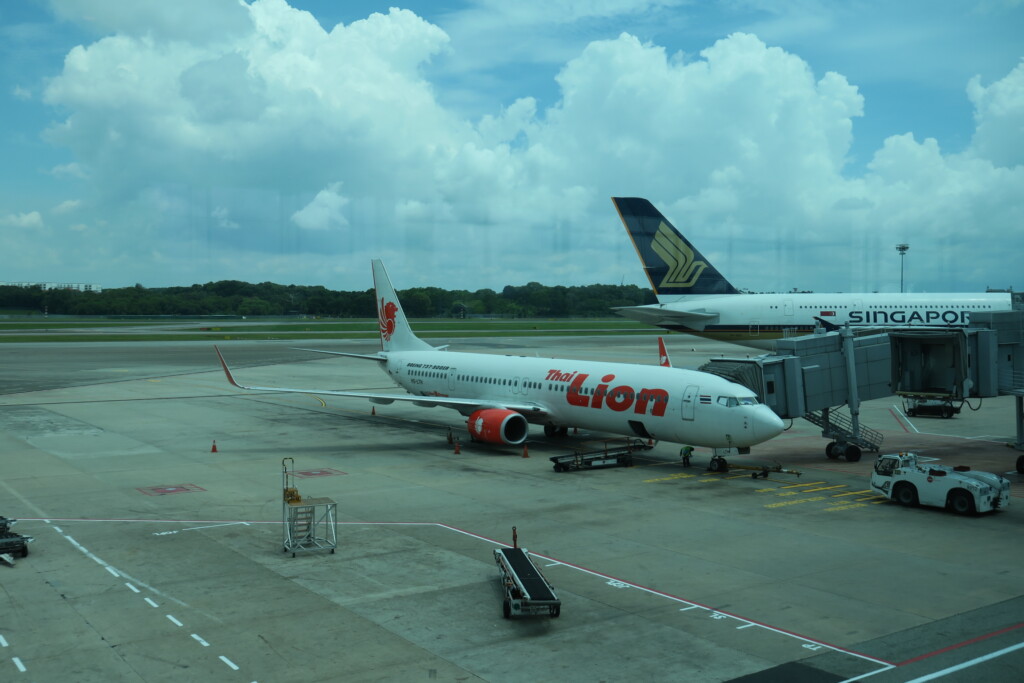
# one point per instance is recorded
(156, 559)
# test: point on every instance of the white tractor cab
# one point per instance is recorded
(903, 478)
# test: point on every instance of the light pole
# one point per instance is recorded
(902, 248)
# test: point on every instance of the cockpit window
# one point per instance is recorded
(733, 401)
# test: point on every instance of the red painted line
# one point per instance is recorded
(898, 420)
(652, 591)
(675, 598)
(963, 644)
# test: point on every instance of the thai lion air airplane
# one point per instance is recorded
(502, 395)
(693, 297)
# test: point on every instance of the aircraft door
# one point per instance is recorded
(689, 401)
(787, 307)
(755, 328)
(522, 385)
(451, 378)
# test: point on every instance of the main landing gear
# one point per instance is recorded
(555, 431)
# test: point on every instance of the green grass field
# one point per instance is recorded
(93, 330)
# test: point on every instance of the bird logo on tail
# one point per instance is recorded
(683, 268)
(386, 319)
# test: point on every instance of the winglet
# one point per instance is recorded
(227, 372)
(663, 359)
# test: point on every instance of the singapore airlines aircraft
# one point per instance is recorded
(502, 395)
(693, 297)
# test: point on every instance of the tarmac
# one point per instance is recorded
(157, 558)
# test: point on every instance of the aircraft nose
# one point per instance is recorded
(767, 425)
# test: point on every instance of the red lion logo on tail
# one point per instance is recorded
(386, 319)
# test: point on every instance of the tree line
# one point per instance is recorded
(235, 298)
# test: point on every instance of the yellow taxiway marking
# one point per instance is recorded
(784, 503)
(851, 493)
(825, 488)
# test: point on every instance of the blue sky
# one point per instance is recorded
(476, 144)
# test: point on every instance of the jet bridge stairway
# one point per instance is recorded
(848, 439)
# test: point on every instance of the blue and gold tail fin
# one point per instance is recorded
(674, 266)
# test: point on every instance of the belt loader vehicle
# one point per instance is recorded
(904, 478)
(526, 591)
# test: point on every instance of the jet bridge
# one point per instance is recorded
(814, 375)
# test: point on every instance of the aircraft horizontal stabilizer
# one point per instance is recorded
(659, 315)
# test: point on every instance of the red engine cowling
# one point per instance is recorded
(497, 425)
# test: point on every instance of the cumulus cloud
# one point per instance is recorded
(999, 115)
(252, 116)
(67, 206)
(30, 220)
(324, 212)
(223, 217)
(71, 170)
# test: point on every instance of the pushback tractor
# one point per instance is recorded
(906, 479)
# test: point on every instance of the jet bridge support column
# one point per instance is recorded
(851, 378)
(1019, 401)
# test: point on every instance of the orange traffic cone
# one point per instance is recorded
(458, 448)
(214, 449)
(526, 451)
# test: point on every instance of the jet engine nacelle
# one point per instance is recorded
(497, 425)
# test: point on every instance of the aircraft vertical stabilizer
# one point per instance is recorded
(673, 265)
(395, 332)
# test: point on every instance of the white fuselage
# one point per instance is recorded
(759, 319)
(671, 404)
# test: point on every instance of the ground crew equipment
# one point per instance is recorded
(620, 456)
(12, 543)
(526, 590)
(719, 464)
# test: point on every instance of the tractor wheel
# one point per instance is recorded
(830, 450)
(905, 494)
(852, 453)
(961, 501)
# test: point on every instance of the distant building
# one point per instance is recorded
(78, 286)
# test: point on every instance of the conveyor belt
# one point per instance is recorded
(533, 583)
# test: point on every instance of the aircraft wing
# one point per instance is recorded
(659, 314)
(365, 356)
(529, 410)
